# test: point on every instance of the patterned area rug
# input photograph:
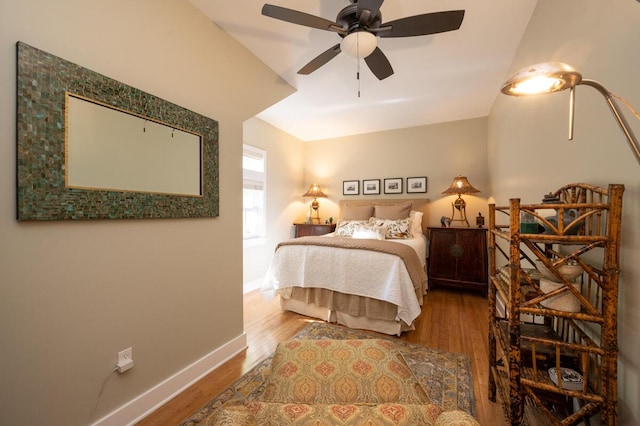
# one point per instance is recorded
(444, 375)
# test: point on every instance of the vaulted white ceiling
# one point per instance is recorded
(438, 78)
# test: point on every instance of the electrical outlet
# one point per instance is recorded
(125, 360)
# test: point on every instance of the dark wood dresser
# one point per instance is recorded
(458, 258)
(309, 229)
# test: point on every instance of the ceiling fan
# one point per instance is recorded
(359, 24)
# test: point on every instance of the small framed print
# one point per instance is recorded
(351, 187)
(371, 187)
(393, 186)
(416, 184)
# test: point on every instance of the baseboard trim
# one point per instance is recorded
(252, 285)
(146, 403)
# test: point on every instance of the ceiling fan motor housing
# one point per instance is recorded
(347, 19)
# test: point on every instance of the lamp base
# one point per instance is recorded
(314, 213)
(460, 206)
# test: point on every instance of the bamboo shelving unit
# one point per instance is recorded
(583, 339)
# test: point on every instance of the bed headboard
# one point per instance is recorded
(418, 204)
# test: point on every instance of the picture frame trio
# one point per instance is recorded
(414, 185)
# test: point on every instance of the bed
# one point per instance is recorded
(369, 274)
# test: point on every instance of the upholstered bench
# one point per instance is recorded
(340, 382)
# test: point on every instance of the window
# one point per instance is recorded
(254, 182)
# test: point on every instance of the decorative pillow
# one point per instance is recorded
(396, 229)
(416, 222)
(395, 211)
(345, 228)
(370, 232)
(353, 212)
(331, 371)
(278, 414)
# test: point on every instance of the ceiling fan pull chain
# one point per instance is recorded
(358, 64)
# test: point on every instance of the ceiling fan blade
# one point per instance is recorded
(367, 10)
(429, 23)
(379, 64)
(320, 60)
(301, 18)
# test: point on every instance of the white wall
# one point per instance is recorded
(529, 154)
(73, 294)
(439, 152)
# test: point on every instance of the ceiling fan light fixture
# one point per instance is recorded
(359, 44)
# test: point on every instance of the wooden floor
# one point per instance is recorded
(451, 320)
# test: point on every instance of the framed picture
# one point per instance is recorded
(393, 186)
(371, 187)
(416, 184)
(350, 187)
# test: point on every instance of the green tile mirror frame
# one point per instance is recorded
(80, 133)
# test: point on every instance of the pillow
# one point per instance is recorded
(345, 228)
(329, 371)
(353, 212)
(416, 222)
(396, 229)
(370, 232)
(395, 211)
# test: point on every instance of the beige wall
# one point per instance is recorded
(529, 154)
(73, 294)
(439, 152)
(285, 184)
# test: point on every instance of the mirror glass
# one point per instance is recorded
(112, 149)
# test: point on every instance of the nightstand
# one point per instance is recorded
(458, 258)
(308, 229)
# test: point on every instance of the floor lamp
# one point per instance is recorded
(550, 77)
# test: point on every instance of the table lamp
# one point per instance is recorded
(459, 186)
(315, 193)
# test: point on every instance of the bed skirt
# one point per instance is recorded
(349, 310)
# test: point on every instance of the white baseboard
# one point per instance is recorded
(252, 285)
(146, 403)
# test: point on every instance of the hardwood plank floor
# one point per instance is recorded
(451, 320)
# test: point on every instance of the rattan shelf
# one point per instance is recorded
(577, 327)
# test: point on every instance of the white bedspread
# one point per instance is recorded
(361, 272)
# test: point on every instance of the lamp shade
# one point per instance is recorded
(314, 192)
(460, 185)
(359, 44)
(547, 77)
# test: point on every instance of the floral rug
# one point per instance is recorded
(444, 375)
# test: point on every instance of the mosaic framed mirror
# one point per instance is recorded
(90, 147)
